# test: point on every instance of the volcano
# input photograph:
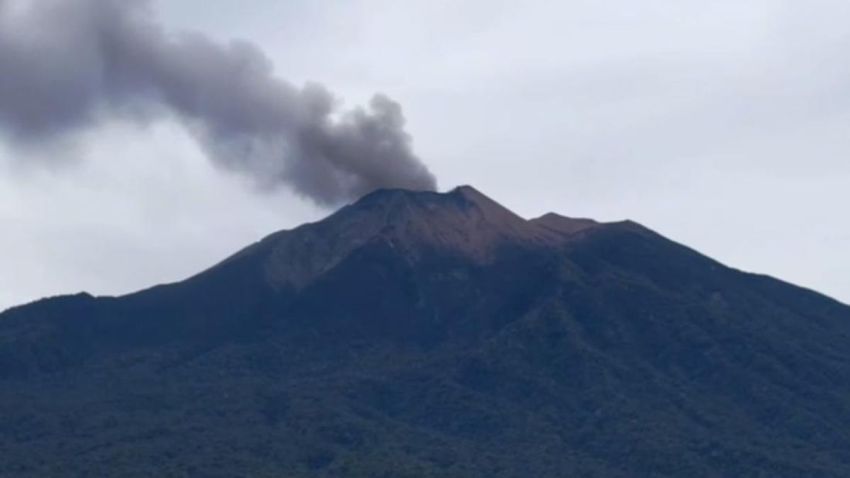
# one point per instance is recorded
(422, 334)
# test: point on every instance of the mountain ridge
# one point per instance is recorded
(435, 334)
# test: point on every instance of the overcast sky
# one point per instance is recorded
(723, 125)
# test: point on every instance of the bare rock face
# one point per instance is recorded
(428, 334)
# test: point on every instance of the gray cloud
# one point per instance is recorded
(720, 124)
(68, 63)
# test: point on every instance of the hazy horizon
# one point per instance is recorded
(721, 126)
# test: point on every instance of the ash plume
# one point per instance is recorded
(65, 64)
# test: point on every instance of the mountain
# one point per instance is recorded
(419, 334)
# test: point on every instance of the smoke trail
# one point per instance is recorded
(66, 63)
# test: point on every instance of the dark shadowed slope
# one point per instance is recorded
(425, 334)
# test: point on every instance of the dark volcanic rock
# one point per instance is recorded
(425, 334)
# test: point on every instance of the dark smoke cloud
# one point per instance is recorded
(65, 64)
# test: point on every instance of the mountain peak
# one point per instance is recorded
(463, 219)
(470, 193)
(393, 197)
(427, 211)
(461, 222)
